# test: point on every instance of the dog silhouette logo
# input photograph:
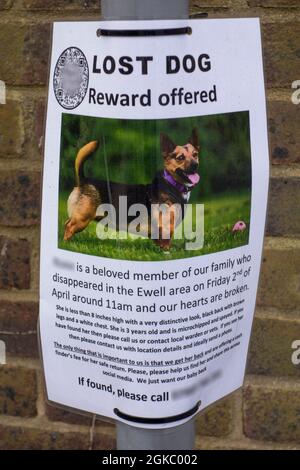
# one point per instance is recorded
(71, 78)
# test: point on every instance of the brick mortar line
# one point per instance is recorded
(19, 333)
(239, 4)
(44, 17)
(27, 363)
(230, 439)
(280, 94)
(43, 423)
(40, 422)
(16, 92)
(7, 165)
(106, 430)
(41, 394)
(286, 172)
(277, 314)
(261, 313)
(281, 243)
(281, 171)
(17, 6)
(271, 317)
(19, 296)
(267, 14)
(274, 382)
(270, 243)
(31, 233)
(20, 163)
(244, 442)
(35, 271)
(237, 419)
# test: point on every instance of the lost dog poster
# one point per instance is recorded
(154, 203)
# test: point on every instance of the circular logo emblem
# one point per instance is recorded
(71, 78)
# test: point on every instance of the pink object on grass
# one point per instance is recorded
(240, 226)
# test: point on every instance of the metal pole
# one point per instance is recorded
(128, 437)
(145, 9)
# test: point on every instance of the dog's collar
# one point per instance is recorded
(179, 186)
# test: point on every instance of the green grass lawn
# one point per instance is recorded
(221, 213)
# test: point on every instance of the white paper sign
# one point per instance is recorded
(154, 204)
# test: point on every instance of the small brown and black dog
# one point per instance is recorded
(171, 187)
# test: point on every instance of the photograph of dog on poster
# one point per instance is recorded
(154, 190)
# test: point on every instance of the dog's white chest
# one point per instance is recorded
(186, 196)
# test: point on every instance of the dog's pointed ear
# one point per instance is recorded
(166, 144)
(194, 139)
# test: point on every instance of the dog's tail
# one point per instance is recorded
(83, 154)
